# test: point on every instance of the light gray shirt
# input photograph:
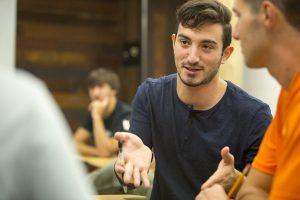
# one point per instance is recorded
(37, 159)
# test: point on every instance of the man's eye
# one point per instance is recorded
(207, 47)
(184, 42)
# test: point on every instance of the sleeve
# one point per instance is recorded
(266, 159)
(140, 123)
(49, 161)
(258, 126)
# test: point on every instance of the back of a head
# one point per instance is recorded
(290, 9)
(195, 13)
(35, 136)
(102, 76)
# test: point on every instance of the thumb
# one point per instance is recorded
(227, 157)
(121, 136)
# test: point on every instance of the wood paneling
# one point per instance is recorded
(60, 41)
(99, 7)
(109, 35)
(69, 59)
(71, 101)
(162, 23)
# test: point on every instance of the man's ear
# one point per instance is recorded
(269, 14)
(226, 54)
(173, 37)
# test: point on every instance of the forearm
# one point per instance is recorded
(86, 150)
(251, 193)
(256, 186)
(106, 146)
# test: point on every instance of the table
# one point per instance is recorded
(119, 197)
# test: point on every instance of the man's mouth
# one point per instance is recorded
(192, 69)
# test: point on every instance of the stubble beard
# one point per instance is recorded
(205, 81)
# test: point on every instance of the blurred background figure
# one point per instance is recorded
(37, 158)
(107, 115)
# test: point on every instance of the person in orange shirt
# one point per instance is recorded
(269, 31)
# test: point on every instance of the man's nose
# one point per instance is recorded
(193, 56)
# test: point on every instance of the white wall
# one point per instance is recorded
(7, 33)
(259, 83)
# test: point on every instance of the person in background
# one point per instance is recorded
(37, 156)
(107, 115)
(187, 118)
(269, 31)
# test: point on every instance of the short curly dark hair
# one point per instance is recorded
(100, 76)
(195, 13)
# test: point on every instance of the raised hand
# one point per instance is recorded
(226, 174)
(98, 108)
(136, 159)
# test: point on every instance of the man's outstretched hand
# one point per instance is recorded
(135, 161)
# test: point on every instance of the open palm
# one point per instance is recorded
(137, 159)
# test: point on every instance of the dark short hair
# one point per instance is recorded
(290, 9)
(100, 76)
(195, 13)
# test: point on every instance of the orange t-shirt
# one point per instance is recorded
(279, 153)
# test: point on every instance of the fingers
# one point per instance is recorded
(90, 106)
(145, 179)
(227, 157)
(119, 168)
(136, 177)
(210, 182)
(105, 101)
(128, 173)
(133, 176)
(200, 196)
(134, 156)
(214, 192)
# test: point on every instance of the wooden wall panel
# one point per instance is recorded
(60, 41)
(162, 23)
(97, 7)
(109, 35)
(131, 73)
